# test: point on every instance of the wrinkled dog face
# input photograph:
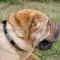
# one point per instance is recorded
(47, 42)
(38, 30)
(34, 27)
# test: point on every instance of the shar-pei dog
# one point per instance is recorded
(21, 33)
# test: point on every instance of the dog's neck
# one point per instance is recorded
(19, 41)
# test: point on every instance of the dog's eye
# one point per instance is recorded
(34, 24)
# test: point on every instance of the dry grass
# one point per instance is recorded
(51, 9)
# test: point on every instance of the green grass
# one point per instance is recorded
(17, 1)
(52, 10)
(51, 54)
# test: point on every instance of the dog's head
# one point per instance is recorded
(54, 34)
(32, 27)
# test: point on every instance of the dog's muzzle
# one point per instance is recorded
(48, 42)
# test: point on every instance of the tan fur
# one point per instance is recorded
(33, 24)
(53, 30)
(24, 19)
(33, 57)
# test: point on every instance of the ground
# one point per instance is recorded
(52, 10)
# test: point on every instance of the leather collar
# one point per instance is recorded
(9, 37)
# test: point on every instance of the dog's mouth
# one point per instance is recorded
(44, 45)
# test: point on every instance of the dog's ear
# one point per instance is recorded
(19, 22)
(15, 23)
